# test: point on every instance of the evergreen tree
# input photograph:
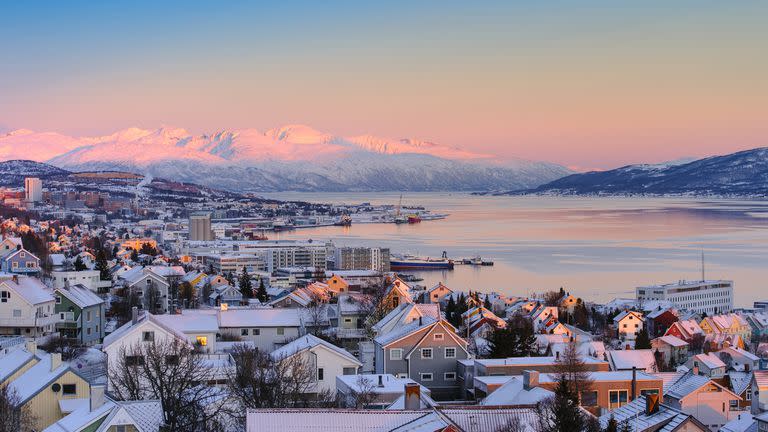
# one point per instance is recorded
(134, 255)
(565, 413)
(450, 310)
(642, 341)
(79, 264)
(102, 265)
(246, 287)
(261, 293)
(487, 303)
(612, 425)
(517, 339)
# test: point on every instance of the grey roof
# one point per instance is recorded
(667, 419)
(81, 296)
(405, 330)
(687, 385)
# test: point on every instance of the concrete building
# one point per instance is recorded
(33, 189)
(361, 258)
(711, 296)
(275, 253)
(200, 227)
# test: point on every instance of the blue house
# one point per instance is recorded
(21, 261)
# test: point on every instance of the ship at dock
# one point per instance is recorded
(410, 262)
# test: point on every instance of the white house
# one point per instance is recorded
(267, 328)
(27, 307)
(326, 359)
(708, 365)
(628, 324)
(90, 279)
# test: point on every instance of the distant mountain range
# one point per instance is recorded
(741, 174)
(293, 157)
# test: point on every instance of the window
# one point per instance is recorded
(450, 352)
(347, 320)
(121, 428)
(88, 331)
(136, 360)
(4, 296)
(148, 336)
(350, 371)
(439, 336)
(749, 395)
(256, 332)
(426, 376)
(17, 313)
(589, 398)
(69, 389)
(734, 405)
(449, 376)
(320, 374)
(649, 392)
(202, 340)
(617, 398)
(244, 332)
(58, 299)
(426, 353)
(88, 315)
(280, 331)
(396, 354)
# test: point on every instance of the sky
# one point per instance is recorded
(587, 84)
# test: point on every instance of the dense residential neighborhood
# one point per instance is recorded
(114, 321)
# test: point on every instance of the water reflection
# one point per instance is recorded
(597, 248)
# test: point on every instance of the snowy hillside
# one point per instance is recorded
(293, 157)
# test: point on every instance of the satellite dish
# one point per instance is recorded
(56, 387)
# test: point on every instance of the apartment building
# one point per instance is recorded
(708, 296)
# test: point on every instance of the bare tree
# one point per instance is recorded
(152, 299)
(260, 380)
(373, 305)
(516, 425)
(571, 367)
(68, 348)
(364, 395)
(171, 372)
(317, 312)
(14, 418)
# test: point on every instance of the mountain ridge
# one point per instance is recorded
(291, 157)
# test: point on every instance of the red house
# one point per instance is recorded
(659, 321)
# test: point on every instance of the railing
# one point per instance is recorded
(345, 333)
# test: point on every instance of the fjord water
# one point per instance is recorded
(596, 248)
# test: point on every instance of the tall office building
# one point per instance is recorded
(712, 296)
(33, 189)
(200, 227)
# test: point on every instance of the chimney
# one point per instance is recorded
(420, 321)
(55, 361)
(651, 404)
(412, 397)
(530, 379)
(695, 369)
(15, 279)
(97, 396)
(31, 346)
(557, 355)
(634, 384)
(381, 380)
(134, 315)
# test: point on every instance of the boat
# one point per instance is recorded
(414, 218)
(420, 263)
(345, 220)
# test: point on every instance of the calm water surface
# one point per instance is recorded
(597, 248)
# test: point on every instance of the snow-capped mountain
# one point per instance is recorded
(744, 173)
(293, 157)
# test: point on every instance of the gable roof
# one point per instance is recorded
(513, 392)
(667, 419)
(690, 384)
(81, 296)
(37, 378)
(309, 342)
(30, 289)
(642, 359)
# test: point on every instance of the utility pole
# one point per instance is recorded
(702, 266)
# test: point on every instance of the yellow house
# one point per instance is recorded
(16, 362)
(137, 243)
(50, 390)
(337, 284)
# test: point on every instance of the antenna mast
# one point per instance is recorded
(702, 266)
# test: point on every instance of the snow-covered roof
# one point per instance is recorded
(81, 417)
(36, 378)
(672, 341)
(642, 359)
(744, 422)
(513, 393)
(404, 330)
(667, 419)
(710, 360)
(389, 383)
(739, 381)
(81, 296)
(687, 385)
(308, 342)
(261, 317)
(190, 322)
(13, 361)
(30, 289)
(425, 402)
(322, 420)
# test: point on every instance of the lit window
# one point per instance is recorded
(202, 340)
